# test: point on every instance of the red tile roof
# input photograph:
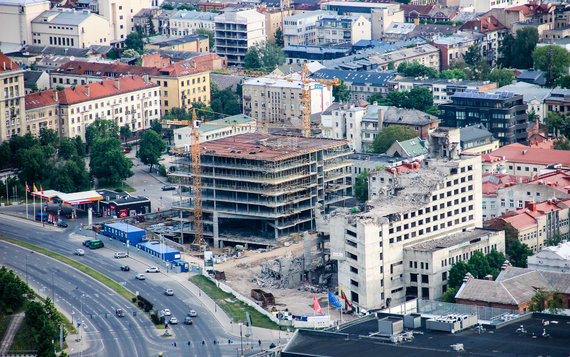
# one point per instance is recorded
(180, 69)
(103, 89)
(521, 221)
(525, 218)
(41, 99)
(114, 70)
(6, 64)
(420, 9)
(483, 24)
(559, 180)
(532, 155)
(493, 182)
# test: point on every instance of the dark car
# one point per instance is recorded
(120, 313)
(125, 268)
(62, 224)
(86, 242)
(168, 188)
(188, 320)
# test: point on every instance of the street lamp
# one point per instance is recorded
(241, 336)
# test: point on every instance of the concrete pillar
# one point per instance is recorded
(90, 217)
(216, 230)
(276, 231)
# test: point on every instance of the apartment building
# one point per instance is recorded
(476, 140)
(16, 24)
(237, 31)
(427, 201)
(120, 15)
(503, 114)
(336, 29)
(522, 160)
(12, 103)
(70, 28)
(189, 43)
(493, 32)
(274, 20)
(426, 55)
(184, 22)
(362, 84)
(42, 112)
(452, 48)
(214, 130)
(301, 29)
(132, 101)
(534, 96)
(558, 101)
(427, 264)
(277, 100)
(441, 89)
(536, 222)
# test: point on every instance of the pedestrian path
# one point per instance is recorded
(14, 325)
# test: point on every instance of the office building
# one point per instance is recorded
(16, 24)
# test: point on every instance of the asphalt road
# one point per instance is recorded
(106, 332)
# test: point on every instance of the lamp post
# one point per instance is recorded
(241, 336)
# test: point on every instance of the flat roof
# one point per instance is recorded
(158, 247)
(255, 146)
(125, 227)
(74, 198)
(452, 240)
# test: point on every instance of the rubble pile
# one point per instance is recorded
(280, 273)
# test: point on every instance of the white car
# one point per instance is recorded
(169, 292)
(192, 313)
(173, 320)
(141, 276)
(166, 312)
(153, 270)
(79, 252)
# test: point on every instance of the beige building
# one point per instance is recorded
(120, 15)
(70, 28)
(42, 111)
(426, 55)
(301, 29)
(236, 32)
(333, 29)
(276, 100)
(16, 24)
(426, 201)
(274, 20)
(12, 104)
(128, 100)
(382, 17)
(184, 22)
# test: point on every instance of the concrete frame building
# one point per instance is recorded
(12, 103)
(16, 25)
(301, 29)
(236, 32)
(430, 200)
(257, 188)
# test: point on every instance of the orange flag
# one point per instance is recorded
(316, 305)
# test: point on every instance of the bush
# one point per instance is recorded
(162, 170)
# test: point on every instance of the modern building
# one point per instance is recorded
(70, 28)
(278, 100)
(301, 29)
(184, 22)
(16, 25)
(362, 84)
(258, 187)
(554, 259)
(12, 100)
(215, 129)
(236, 32)
(503, 114)
(476, 140)
(426, 55)
(120, 15)
(335, 29)
(427, 264)
(534, 96)
(426, 201)
(42, 112)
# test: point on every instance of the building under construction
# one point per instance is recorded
(257, 188)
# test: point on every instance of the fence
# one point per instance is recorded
(494, 316)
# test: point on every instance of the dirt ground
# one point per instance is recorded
(240, 272)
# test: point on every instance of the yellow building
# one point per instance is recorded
(182, 84)
(12, 106)
(42, 112)
(274, 20)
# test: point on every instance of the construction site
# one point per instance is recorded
(258, 187)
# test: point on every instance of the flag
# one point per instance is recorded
(316, 305)
(35, 188)
(27, 187)
(333, 300)
(42, 188)
(343, 296)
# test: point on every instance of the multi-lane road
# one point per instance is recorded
(105, 334)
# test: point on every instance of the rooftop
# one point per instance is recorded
(21, 2)
(7, 65)
(255, 146)
(41, 99)
(308, 14)
(124, 227)
(453, 240)
(473, 133)
(356, 77)
(373, 5)
(403, 116)
(193, 15)
(63, 17)
(519, 153)
(179, 41)
(403, 54)
(483, 24)
(413, 147)
(117, 69)
(529, 91)
(473, 94)
(449, 82)
(102, 89)
(227, 121)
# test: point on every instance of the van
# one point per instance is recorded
(41, 216)
(119, 255)
(95, 244)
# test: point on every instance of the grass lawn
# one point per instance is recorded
(231, 305)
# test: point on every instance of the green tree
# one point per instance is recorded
(108, 161)
(505, 49)
(563, 81)
(361, 186)
(155, 124)
(5, 155)
(265, 56)
(554, 240)
(211, 38)
(496, 260)
(130, 53)
(415, 69)
(72, 176)
(134, 41)
(502, 76)
(517, 52)
(252, 58)
(224, 101)
(478, 265)
(419, 98)
(125, 132)
(518, 252)
(67, 149)
(558, 124)
(167, 7)
(473, 55)
(532, 116)
(151, 148)
(341, 93)
(48, 137)
(456, 274)
(101, 129)
(543, 299)
(554, 60)
(387, 136)
(453, 74)
(279, 37)
(562, 143)
(151, 28)
(449, 295)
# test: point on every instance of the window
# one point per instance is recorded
(414, 278)
(425, 279)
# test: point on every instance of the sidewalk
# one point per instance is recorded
(14, 325)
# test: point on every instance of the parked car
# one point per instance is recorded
(153, 270)
(192, 313)
(119, 255)
(169, 292)
(168, 188)
(79, 252)
(188, 320)
(165, 312)
(62, 224)
(125, 268)
(141, 276)
(173, 320)
(120, 313)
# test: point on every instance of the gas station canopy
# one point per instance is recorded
(74, 198)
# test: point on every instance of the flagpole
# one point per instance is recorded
(27, 216)
(34, 206)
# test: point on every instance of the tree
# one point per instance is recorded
(211, 38)
(279, 37)
(224, 101)
(5, 155)
(473, 55)
(517, 253)
(563, 81)
(130, 53)
(157, 127)
(135, 42)
(361, 186)
(453, 74)
(558, 124)
(415, 69)
(151, 29)
(419, 98)
(387, 136)
(49, 137)
(341, 93)
(502, 76)
(71, 177)
(449, 295)
(101, 129)
(554, 240)
(478, 265)
(456, 274)
(167, 7)
(562, 143)
(554, 60)
(108, 161)
(532, 116)
(517, 52)
(125, 132)
(543, 299)
(505, 49)
(496, 260)
(266, 56)
(151, 148)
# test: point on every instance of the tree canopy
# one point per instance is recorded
(108, 162)
(554, 60)
(502, 76)
(134, 41)
(473, 55)
(341, 93)
(419, 98)
(543, 299)
(151, 148)
(478, 265)
(264, 56)
(518, 253)
(516, 52)
(387, 136)
(415, 69)
(224, 101)
(361, 186)
(211, 38)
(558, 124)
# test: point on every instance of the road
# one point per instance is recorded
(122, 335)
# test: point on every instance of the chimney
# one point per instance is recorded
(117, 84)
(380, 119)
(505, 265)
(489, 277)
(55, 96)
(467, 277)
(86, 90)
